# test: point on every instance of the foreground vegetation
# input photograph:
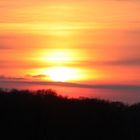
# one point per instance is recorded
(42, 115)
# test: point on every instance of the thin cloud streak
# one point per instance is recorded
(125, 62)
(16, 82)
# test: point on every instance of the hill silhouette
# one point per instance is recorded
(43, 115)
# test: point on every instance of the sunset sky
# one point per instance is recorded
(78, 41)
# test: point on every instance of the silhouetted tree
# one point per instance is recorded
(43, 115)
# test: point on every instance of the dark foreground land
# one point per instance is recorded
(43, 115)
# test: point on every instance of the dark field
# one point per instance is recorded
(42, 115)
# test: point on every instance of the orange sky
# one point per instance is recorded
(72, 41)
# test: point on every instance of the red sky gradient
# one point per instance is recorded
(96, 42)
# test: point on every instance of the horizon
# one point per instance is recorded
(128, 94)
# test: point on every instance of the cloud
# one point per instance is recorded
(137, 32)
(5, 78)
(3, 47)
(64, 84)
(125, 62)
(22, 79)
(15, 64)
(40, 76)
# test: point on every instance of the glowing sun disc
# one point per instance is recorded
(60, 74)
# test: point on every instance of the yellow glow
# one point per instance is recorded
(61, 74)
(59, 56)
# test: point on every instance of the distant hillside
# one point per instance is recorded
(42, 115)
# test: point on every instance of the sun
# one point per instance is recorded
(61, 74)
(59, 65)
